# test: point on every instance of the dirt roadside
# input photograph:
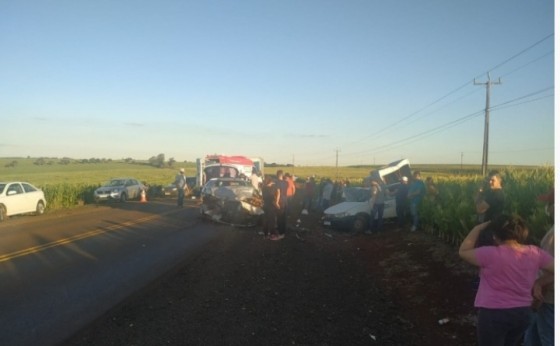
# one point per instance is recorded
(315, 287)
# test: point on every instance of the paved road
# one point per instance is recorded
(60, 271)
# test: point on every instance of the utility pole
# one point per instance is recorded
(337, 164)
(488, 84)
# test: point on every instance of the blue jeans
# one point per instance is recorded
(414, 215)
(180, 196)
(377, 217)
(541, 330)
(401, 214)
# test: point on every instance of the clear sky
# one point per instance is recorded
(292, 81)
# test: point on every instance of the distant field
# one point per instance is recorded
(68, 184)
(87, 173)
(53, 172)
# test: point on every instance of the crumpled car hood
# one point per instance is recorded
(233, 192)
(236, 205)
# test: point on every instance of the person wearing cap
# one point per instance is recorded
(181, 184)
(541, 329)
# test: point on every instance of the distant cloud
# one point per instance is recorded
(40, 119)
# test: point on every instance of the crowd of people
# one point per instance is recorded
(515, 287)
(515, 290)
(515, 294)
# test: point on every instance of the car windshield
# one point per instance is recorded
(356, 194)
(232, 183)
(116, 182)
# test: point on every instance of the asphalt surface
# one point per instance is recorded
(60, 271)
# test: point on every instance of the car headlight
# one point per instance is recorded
(340, 215)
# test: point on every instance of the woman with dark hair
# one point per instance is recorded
(507, 273)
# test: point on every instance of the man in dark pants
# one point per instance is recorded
(180, 183)
(282, 219)
(401, 201)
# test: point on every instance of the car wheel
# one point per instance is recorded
(123, 197)
(40, 210)
(360, 224)
(2, 213)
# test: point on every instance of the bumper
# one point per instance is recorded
(107, 196)
(339, 222)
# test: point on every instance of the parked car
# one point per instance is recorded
(119, 189)
(354, 212)
(20, 198)
(231, 200)
(171, 190)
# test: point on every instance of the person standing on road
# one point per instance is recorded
(326, 194)
(180, 184)
(507, 273)
(282, 218)
(271, 197)
(377, 203)
(416, 193)
(256, 179)
(309, 194)
(401, 201)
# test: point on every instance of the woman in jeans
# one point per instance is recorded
(507, 274)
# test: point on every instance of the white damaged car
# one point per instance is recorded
(231, 200)
(354, 212)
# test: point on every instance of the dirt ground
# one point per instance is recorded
(315, 287)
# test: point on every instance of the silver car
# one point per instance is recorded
(119, 189)
(20, 198)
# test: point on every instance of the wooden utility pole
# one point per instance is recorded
(336, 164)
(488, 84)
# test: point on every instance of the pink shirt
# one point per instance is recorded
(507, 275)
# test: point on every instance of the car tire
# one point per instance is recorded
(360, 224)
(123, 197)
(3, 216)
(40, 209)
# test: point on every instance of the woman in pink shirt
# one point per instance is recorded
(507, 274)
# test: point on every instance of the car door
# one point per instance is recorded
(132, 188)
(15, 199)
(32, 197)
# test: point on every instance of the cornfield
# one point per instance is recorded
(451, 214)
